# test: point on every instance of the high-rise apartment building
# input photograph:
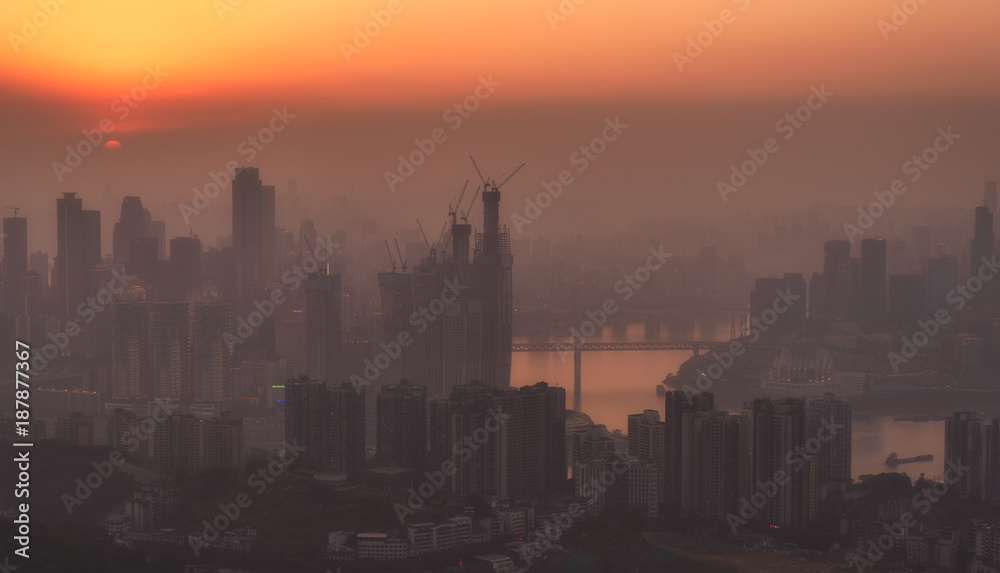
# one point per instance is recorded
(211, 357)
(834, 456)
(171, 350)
(323, 333)
(779, 427)
(402, 426)
(131, 349)
(680, 406)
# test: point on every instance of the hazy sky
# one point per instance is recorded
(225, 65)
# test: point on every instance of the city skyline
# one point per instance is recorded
(522, 287)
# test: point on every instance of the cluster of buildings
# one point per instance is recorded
(944, 317)
(710, 463)
(223, 328)
(479, 440)
(174, 443)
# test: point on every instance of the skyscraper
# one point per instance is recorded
(15, 262)
(402, 426)
(396, 294)
(941, 277)
(253, 232)
(720, 458)
(307, 421)
(983, 241)
(211, 358)
(329, 422)
(462, 324)
(504, 442)
(324, 336)
(144, 260)
(171, 349)
(133, 222)
(907, 299)
(645, 442)
(79, 249)
(131, 356)
(990, 200)
(185, 265)
(836, 278)
(834, 457)
(453, 422)
(963, 446)
(494, 264)
(678, 411)
(873, 282)
(225, 445)
(347, 424)
(779, 427)
(177, 445)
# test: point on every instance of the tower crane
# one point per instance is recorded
(487, 183)
(458, 203)
(465, 217)
(509, 177)
(402, 260)
(424, 235)
(391, 260)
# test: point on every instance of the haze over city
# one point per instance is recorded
(570, 285)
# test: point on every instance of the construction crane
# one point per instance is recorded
(391, 260)
(424, 235)
(485, 184)
(465, 217)
(402, 260)
(15, 208)
(509, 177)
(444, 229)
(321, 270)
(452, 211)
(488, 184)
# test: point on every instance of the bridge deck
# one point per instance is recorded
(615, 346)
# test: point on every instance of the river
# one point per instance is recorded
(616, 384)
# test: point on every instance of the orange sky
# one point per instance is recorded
(606, 48)
(609, 57)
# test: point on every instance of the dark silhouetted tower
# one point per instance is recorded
(324, 336)
(185, 265)
(836, 278)
(134, 222)
(253, 232)
(79, 249)
(983, 241)
(494, 264)
(873, 282)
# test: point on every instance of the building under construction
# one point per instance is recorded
(462, 309)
